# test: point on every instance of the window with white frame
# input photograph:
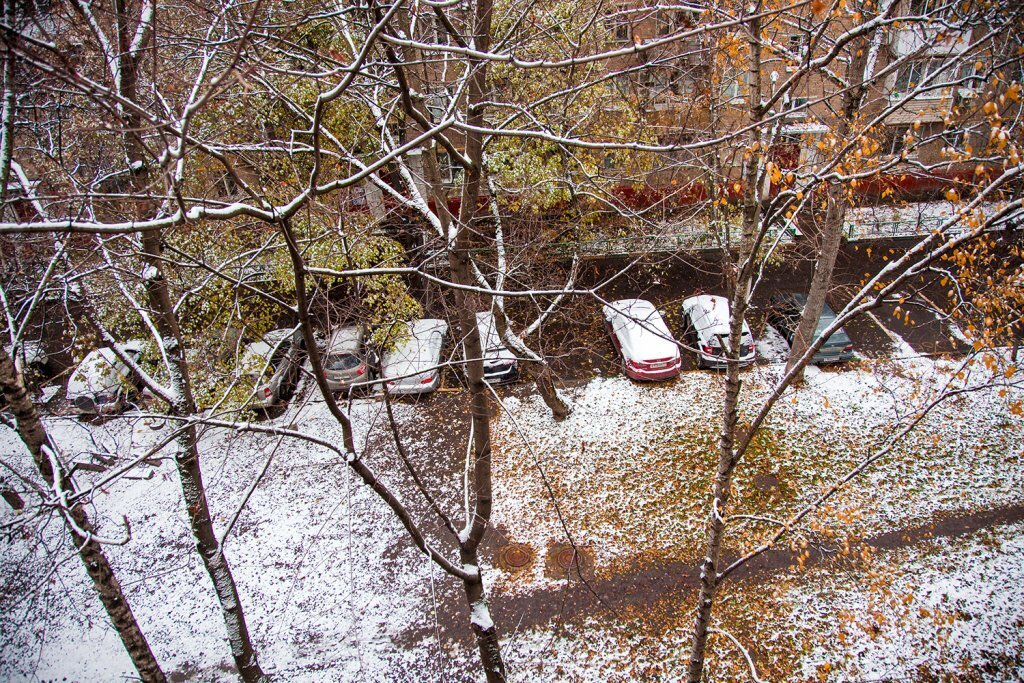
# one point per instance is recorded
(733, 81)
(451, 174)
(437, 103)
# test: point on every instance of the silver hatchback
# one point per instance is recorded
(345, 360)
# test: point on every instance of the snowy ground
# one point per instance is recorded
(944, 610)
(631, 468)
(308, 555)
(332, 587)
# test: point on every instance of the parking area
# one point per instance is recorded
(913, 324)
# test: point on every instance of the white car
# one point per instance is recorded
(706, 318)
(30, 356)
(412, 366)
(271, 366)
(649, 352)
(500, 364)
(102, 383)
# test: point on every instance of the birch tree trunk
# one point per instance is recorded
(33, 434)
(467, 305)
(738, 278)
(190, 473)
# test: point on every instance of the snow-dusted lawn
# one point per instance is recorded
(331, 584)
(630, 469)
(942, 607)
(308, 554)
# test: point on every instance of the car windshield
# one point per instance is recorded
(346, 361)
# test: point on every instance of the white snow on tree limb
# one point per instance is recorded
(480, 616)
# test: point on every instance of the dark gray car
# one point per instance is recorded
(784, 312)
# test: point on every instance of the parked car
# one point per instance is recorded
(500, 364)
(706, 318)
(346, 362)
(103, 383)
(412, 366)
(648, 350)
(30, 357)
(272, 365)
(784, 311)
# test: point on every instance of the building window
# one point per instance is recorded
(655, 79)
(796, 108)
(437, 104)
(672, 21)
(896, 142)
(619, 27)
(926, 7)
(451, 174)
(913, 73)
(433, 29)
(732, 84)
(954, 139)
(357, 197)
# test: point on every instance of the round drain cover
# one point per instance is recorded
(516, 555)
(565, 557)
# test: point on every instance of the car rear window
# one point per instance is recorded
(343, 362)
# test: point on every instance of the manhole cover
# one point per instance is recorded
(566, 557)
(516, 555)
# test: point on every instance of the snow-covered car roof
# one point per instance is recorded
(345, 340)
(101, 371)
(645, 335)
(274, 337)
(259, 353)
(419, 351)
(715, 313)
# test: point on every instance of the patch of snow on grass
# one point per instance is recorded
(630, 469)
(952, 608)
(308, 553)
